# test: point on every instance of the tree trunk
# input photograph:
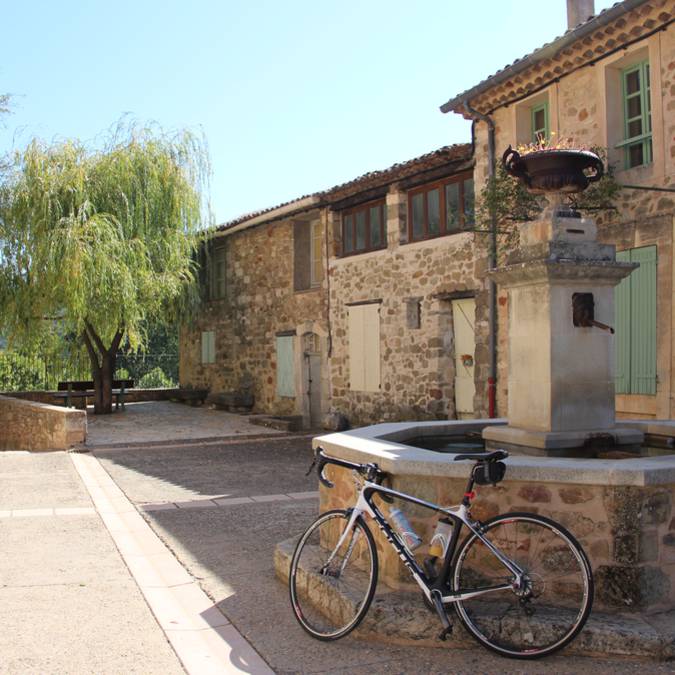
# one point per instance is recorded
(103, 362)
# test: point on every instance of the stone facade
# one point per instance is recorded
(260, 303)
(417, 364)
(28, 425)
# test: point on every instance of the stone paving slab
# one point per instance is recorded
(39, 480)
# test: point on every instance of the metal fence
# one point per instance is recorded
(20, 372)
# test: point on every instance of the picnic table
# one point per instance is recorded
(74, 389)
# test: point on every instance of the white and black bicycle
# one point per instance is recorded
(520, 583)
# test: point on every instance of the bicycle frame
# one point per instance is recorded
(460, 517)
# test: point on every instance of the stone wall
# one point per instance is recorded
(27, 425)
(416, 363)
(260, 302)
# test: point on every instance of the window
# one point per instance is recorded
(637, 114)
(285, 369)
(539, 122)
(218, 274)
(441, 208)
(635, 305)
(364, 347)
(208, 347)
(363, 228)
(315, 265)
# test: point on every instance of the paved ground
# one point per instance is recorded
(166, 422)
(228, 547)
(69, 604)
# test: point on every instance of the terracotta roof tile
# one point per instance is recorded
(460, 152)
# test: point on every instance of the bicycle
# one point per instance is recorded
(520, 583)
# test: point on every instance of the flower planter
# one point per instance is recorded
(563, 171)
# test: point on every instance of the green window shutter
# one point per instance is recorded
(622, 328)
(539, 122)
(285, 369)
(637, 115)
(643, 321)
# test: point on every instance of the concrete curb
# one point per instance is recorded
(203, 639)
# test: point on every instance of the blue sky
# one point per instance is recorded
(293, 96)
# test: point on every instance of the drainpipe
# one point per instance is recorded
(492, 263)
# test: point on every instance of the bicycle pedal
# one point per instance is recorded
(443, 635)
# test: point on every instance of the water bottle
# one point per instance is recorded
(411, 540)
(441, 538)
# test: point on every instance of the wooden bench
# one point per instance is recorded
(83, 388)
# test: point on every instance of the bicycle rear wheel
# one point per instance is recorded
(542, 614)
(332, 587)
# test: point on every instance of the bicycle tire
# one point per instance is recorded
(330, 597)
(536, 627)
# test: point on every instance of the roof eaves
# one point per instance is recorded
(272, 213)
(545, 52)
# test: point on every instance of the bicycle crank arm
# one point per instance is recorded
(437, 600)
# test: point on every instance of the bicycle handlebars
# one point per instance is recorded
(370, 471)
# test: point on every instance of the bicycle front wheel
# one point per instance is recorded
(333, 577)
(550, 605)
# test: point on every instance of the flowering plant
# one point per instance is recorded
(552, 143)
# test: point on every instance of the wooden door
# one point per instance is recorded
(463, 318)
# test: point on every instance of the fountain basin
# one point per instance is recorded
(620, 510)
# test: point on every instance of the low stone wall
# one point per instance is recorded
(131, 396)
(28, 425)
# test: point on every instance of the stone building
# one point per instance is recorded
(352, 300)
(608, 82)
(370, 299)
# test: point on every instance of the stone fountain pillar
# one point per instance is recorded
(560, 375)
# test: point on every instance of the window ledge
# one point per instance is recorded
(450, 237)
(357, 257)
(636, 174)
(312, 289)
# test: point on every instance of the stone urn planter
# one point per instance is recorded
(564, 171)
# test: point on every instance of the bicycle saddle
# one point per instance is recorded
(493, 456)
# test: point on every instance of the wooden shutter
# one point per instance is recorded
(301, 256)
(364, 347)
(622, 329)
(208, 346)
(643, 321)
(635, 322)
(285, 369)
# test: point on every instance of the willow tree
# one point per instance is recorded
(98, 242)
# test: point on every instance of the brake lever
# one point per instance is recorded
(311, 468)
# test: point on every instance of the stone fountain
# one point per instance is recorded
(570, 458)
(560, 283)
